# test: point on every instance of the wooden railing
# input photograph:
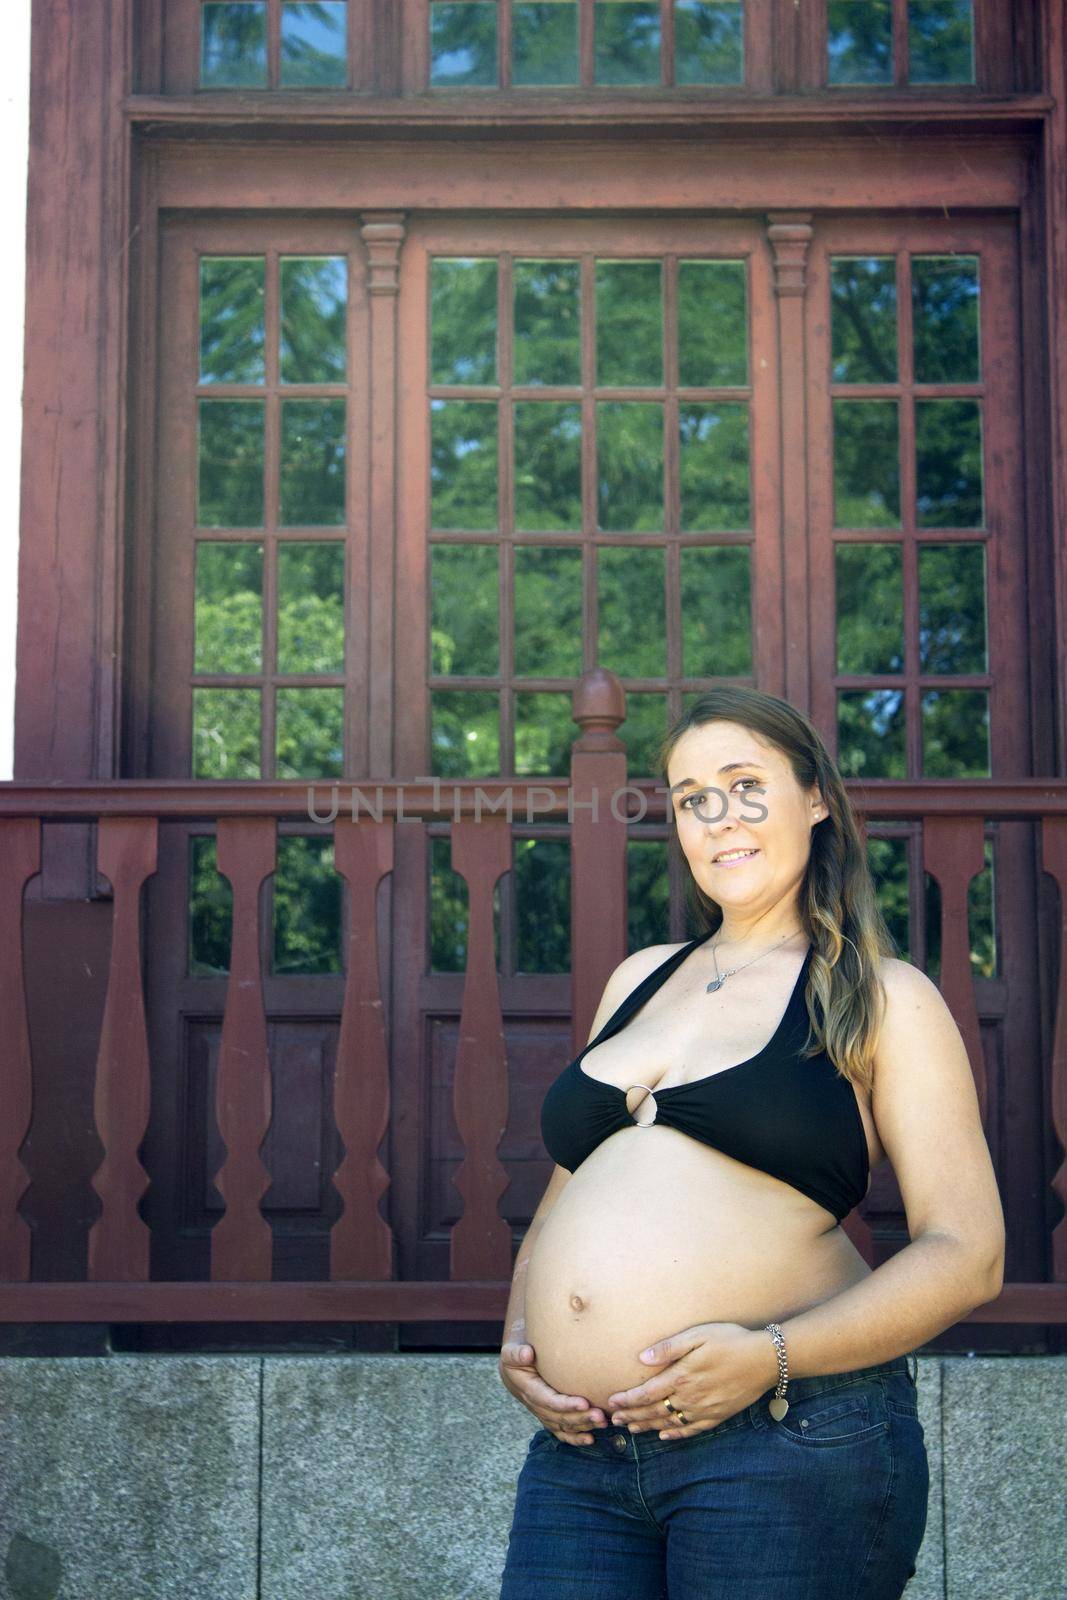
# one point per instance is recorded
(116, 1286)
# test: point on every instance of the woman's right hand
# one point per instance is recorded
(520, 1377)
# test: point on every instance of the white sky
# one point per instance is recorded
(14, 141)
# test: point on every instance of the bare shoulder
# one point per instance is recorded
(631, 971)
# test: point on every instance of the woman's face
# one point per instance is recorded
(732, 792)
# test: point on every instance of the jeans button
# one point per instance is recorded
(620, 1442)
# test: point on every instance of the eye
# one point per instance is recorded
(748, 780)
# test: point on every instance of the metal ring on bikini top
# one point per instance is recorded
(652, 1092)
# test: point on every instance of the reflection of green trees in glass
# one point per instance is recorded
(313, 48)
(544, 41)
(708, 41)
(629, 323)
(464, 733)
(955, 730)
(544, 732)
(944, 294)
(449, 913)
(888, 861)
(463, 464)
(229, 607)
(233, 44)
(464, 620)
(642, 732)
(629, 466)
(866, 464)
(210, 901)
(307, 907)
(463, 317)
(712, 324)
(859, 37)
(713, 466)
(948, 463)
(311, 469)
(314, 298)
(548, 612)
(226, 725)
(230, 464)
(863, 319)
(311, 613)
(648, 893)
(869, 584)
(309, 733)
(463, 43)
(548, 465)
(627, 41)
(543, 904)
(632, 625)
(952, 610)
(716, 611)
(870, 733)
(548, 305)
(940, 41)
(232, 323)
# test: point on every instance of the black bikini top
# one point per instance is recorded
(795, 1118)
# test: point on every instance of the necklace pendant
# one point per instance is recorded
(778, 1407)
(716, 983)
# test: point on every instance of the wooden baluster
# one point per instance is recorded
(1054, 861)
(953, 851)
(481, 1239)
(119, 1238)
(20, 858)
(361, 1242)
(598, 846)
(241, 1243)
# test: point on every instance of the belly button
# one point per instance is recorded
(577, 1303)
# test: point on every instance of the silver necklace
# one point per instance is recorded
(721, 977)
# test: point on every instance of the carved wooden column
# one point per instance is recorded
(790, 234)
(383, 234)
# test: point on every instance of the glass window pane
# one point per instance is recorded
(311, 606)
(869, 580)
(647, 893)
(229, 608)
(629, 322)
(981, 921)
(629, 466)
(210, 911)
(306, 907)
(952, 608)
(463, 464)
(310, 734)
(709, 38)
(448, 910)
(226, 733)
(631, 611)
(863, 319)
(233, 45)
(940, 41)
(311, 471)
(231, 319)
(948, 463)
(463, 43)
(955, 726)
(542, 870)
(547, 322)
(314, 294)
(544, 41)
(944, 293)
(464, 620)
(870, 733)
(626, 41)
(548, 612)
(859, 36)
(463, 315)
(642, 733)
(544, 733)
(314, 53)
(230, 464)
(888, 861)
(548, 465)
(464, 733)
(712, 324)
(866, 464)
(713, 466)
(716, 611)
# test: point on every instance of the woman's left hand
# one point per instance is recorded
(709, 1371)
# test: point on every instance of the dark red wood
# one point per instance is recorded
(119, 1238)
(241, 1241)
(952, 853)
(790, 235)
(598, 847)
(480, 1246)
(361, 1241)
(1054, 861)
(20, 858)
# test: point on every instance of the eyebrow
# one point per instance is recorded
(731, 766)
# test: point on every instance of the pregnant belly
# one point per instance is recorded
(656, 1232)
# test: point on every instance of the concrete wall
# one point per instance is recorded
(385, 1477)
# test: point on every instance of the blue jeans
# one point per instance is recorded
(828, 1504)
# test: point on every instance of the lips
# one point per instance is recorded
(732, 860)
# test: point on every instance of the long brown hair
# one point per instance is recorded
(838, 907)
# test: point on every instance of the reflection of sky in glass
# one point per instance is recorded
(313, 42)
(883, 707)
(463, 42)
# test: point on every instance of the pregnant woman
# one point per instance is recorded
(726, 1405)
